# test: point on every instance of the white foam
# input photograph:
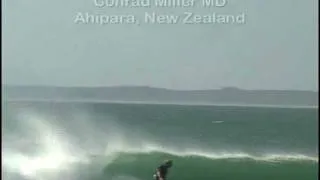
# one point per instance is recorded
(213, 155)
(54, 154)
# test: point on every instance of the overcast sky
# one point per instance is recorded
(275, 49)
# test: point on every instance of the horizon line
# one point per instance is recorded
(153, 87)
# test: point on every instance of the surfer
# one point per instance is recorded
(162, 170)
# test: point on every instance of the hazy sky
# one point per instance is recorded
(276, 48)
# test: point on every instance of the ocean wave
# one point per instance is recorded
(142, 166)
(76, 144)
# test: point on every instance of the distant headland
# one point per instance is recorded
(144, 94)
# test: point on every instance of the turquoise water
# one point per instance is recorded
(51, 140)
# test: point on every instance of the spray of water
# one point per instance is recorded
(45, 149)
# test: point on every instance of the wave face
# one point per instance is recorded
(88, 141)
